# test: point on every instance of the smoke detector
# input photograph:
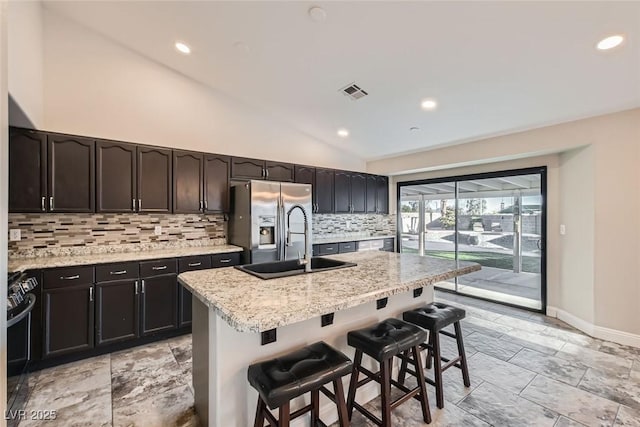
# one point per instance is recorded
(353, 91)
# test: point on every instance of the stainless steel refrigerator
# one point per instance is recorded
(262, 219)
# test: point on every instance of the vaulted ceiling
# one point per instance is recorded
(494, 67)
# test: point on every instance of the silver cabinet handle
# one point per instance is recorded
(194, 264)
(201, 205)
(117, 273)
(206, 205)
(264, 174)
(133, 204)
(43, 204)
(164, 267)
(142, 291)
(91, 293)
(330, 248)
(139, 205)
(136, 287)
(77, 276)
(225, 261)
(51, 202)
(267, 172)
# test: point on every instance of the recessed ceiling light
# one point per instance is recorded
(317, 14)
(343, 133)
(429, 104)
(610, 42)
(183, 48)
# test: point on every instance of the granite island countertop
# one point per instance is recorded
(250, 304)
(36, 263)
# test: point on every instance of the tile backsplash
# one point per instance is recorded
(58, 234)
(58, 231)
(330, 225)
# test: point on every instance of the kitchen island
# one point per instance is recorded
(234, 313)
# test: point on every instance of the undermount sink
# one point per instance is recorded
(273, 270)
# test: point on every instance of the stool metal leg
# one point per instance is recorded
(437, 369)
(343, 416)
(284, 417)
(424, 400)
(353, 383)
(385, 391)
(462, 354)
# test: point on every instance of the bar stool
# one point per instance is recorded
(434, 317)
(382, 342)
(284, 378)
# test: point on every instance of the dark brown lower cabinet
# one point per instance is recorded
(193, 263)
(68, 319)
(116, 311)
(159, 303)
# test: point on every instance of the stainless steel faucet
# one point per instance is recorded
(307, 259)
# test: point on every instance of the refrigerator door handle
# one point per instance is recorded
(283, 231)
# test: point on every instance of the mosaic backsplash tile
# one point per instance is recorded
(42, 232)
(330, 225)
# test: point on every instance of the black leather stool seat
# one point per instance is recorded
(387, 338)
(284, 378)
(434, 316)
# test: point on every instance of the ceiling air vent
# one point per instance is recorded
(353, 91)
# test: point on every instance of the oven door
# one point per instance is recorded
(18, 357)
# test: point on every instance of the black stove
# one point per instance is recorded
(21, 300)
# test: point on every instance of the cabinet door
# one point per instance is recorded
(71, 171)
(358, 192)
(188, 176)
(342, 195)
(372, 191)
(216, 183)
(242, 168)
(279, 171)
(68, 319)
(324, 190)
(193, 263)
(115, 177)
(154, 180)
(383, 194)
(159, 304)
(27, 171)
(307, 175)
(116, 311)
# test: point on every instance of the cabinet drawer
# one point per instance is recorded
(347, 247)
(328, 249)
(193, 263)
(158, 267)
(120, 271)
(388, 245)
(67, 276)
(225, 260)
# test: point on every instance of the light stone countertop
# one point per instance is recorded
(347, 238)
(250, 304)
(35, 263)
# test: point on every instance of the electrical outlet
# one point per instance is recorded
(157, 230)
(15, 235)
(563, 229)
(348, 224)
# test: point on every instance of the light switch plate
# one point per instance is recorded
(15, 235)
(157, 230)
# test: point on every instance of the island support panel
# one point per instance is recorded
(221, 356)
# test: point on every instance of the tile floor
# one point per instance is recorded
(526, 370)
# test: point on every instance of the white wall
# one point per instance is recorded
(26, 58)
(4, 199)
(597, 197)
(93, 86)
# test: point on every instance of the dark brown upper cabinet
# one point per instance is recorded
(71, 174)
(324, 190)
(358, 192)
(242, 168)
(372, 191)
(154, 180)
(382, 197)
(342, 194)
(188, 176)
(27, 171)
(116, 177)
(307, 175)
(216, 183)
(279, 171)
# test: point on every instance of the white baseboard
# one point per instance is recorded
(595, 331)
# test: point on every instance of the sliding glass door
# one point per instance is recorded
(496, 220)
